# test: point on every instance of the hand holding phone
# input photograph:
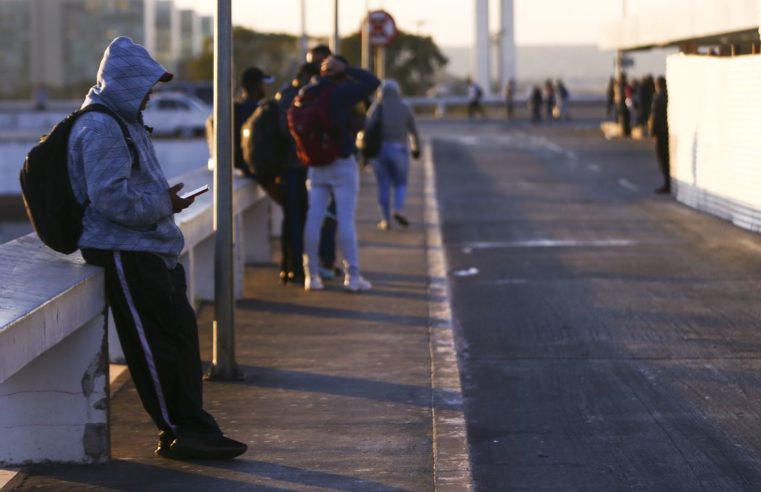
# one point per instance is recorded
(194, 193)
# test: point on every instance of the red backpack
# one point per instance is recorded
(311, 126)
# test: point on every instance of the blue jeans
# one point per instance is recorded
(340, 179)
(391, 168)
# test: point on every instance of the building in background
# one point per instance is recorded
(58, 44)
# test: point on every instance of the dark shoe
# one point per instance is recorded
(296, 278)
(401, 219)
(164, 447)
(283, 277)
(207, 447)
(663, 189)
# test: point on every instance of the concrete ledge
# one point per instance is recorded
(54, 348)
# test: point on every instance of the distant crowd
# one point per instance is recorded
(548, 102)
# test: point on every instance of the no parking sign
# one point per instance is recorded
(382, 28)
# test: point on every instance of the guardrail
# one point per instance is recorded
(53, 339)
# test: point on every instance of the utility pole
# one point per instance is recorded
(335, 39)
(223, 364)
(304, 42)
(365, 36)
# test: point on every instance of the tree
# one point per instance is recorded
(276, 54)
(411, 60)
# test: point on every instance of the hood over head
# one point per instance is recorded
(390, 90)
(127, 72)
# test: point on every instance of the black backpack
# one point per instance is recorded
(50, 202)
(264, 143)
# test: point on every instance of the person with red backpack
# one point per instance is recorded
(319, 121)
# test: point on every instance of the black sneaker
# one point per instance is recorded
(164, 447)
(401, 219)
(207, 447)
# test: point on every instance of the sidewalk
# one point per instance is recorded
(342, 391)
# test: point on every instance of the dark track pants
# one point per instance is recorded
(159, 335)
(662, 152)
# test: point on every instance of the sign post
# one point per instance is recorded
(381, 31)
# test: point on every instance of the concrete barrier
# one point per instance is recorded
(54, 347)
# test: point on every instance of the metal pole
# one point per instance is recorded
(380, 55)
(366, 40)
(481, 46)
(335, 40)
(223, 357)
(304, 40)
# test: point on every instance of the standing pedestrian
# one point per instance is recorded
(659, 130)
(535, 105)
(392, 165)
(293, 182)
(327, 250)
(347, 87)
(623, 114)
(510, 98)
(549, 99)
(610, 99)
(561, 96)
(128, 229)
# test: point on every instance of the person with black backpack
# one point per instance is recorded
(128, 228)
(292, 181)
(319, 122)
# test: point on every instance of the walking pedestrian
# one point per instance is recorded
(391, 166)
(659, 130)
(340, 178)
(475, 94)
(129, 230)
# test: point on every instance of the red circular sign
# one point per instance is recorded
(382, 28)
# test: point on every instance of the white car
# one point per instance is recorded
(176, 114)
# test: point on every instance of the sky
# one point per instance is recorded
(449, 22)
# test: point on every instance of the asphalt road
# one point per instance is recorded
(610, 338)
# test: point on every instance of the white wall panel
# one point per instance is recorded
(715, 124)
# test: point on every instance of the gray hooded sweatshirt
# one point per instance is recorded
(129, 209)
(397, 118)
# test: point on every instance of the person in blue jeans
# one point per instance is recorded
(392, 164)
(339, 178)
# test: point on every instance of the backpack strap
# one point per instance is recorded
(102, 108)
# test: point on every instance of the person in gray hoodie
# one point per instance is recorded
(129, 230)
(392, 164)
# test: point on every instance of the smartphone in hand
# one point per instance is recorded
(195, 193)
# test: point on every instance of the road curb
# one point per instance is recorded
(451, 461)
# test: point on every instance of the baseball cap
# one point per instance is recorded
(254, 75)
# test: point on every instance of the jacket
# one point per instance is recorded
(397, 119)
(129, 208)
(343, 101)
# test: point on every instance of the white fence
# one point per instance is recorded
(53, 342)
(714, 108)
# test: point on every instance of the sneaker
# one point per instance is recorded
(313, 282)
(164, 447)
(357, 283)
(383, 225)
(207, 447)
(401, 219)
